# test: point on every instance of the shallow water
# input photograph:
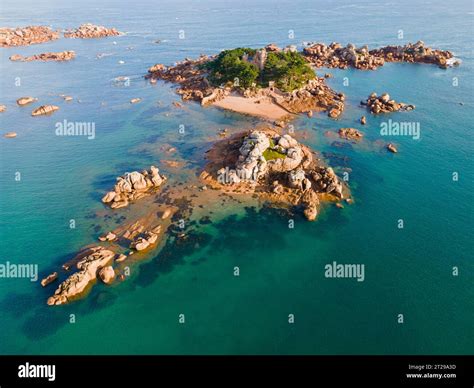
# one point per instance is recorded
(407, 271)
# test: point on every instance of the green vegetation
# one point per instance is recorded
(288, 70)
(270, 154)
(230, 65)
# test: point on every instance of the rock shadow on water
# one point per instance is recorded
(257, 230)
(172, 255)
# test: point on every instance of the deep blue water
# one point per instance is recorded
(408, 271)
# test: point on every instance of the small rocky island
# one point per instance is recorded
(89, 31)
(270, 82)
(275, 167)
(133, 186)
(45, 57)
(384, 104)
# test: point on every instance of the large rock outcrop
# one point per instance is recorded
(78, 283)
(24, 36)
(132, 186)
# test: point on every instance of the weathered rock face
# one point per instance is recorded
(350, 134)
(58, 57)
(337, 56)
(75, 285)
(10, 37)
(26, 100)
(88, 31)
(107, 274)
(384, 104)
(276, 167)
(44, 110)
(132, 186)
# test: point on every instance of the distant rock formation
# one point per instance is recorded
(26, 100)
(88, 31)
(132, 186)
(58, 57)
(44, 110)
(24, 36)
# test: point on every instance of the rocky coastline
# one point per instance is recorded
(335, 55)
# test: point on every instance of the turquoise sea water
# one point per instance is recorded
(407, 271)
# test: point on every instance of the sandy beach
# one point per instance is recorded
(257, 106)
